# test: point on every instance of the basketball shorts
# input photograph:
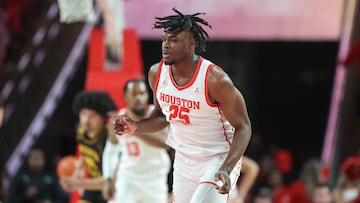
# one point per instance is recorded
(134, 191)
(194, 179)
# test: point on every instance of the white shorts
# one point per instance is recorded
(127, 190)
(194, 179)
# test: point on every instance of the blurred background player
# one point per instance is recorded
(34, 184)
(144, 166)
(93, 109)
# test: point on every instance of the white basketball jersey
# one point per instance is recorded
(198, 127)
(139, 160)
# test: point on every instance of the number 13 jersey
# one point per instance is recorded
(198, 128)
(139, 160)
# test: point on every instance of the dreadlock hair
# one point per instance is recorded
(180, 22)
(101, 102)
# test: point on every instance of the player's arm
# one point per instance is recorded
(154, 123)
(79, 168)
(89, 184)
(155, 139)
(250, 170)
(221, 90)
(111, 132)
(109, 173)
(71, 183)
(76, 181)
(107, 161)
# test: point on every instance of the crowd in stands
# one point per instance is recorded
(17, 18)
(277, 181)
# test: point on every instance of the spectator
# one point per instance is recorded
(280, 192)
(4, 37)
(34, 184)
(321, 194)
(310, 175)
(3, 191)
(347, 190)
(263, 196)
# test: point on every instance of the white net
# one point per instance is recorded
(72, 11)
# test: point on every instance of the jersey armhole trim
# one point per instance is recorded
(208, 100)
(223, 126)
(158, 76)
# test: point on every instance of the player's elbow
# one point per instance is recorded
(245, 129)
(244, 133)
(255, 169)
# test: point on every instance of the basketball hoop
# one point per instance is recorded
(72, 11)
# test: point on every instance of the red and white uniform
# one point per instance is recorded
(143, 170)
(199, 132)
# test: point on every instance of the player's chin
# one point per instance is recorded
(168, 61)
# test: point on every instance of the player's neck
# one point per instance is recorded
(95, 133)
(186, 67)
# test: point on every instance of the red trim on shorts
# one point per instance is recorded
(158, 76)
(208, 100)
(192, 79)
(209, 182)
(216, 185)
(223, 126)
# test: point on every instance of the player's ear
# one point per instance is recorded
(125, 97)
(192, 42)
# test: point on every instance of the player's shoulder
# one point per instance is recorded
(155, 68)
(153, 72)
(217, 76)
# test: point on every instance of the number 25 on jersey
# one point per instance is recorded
(179, 113)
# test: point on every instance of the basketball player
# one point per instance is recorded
(142, 174)
(92, 108)
(207, 115)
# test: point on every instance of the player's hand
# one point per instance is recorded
(123, 125)
(224, 183)
(68, 184)
(108, 190)
(110, 127)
